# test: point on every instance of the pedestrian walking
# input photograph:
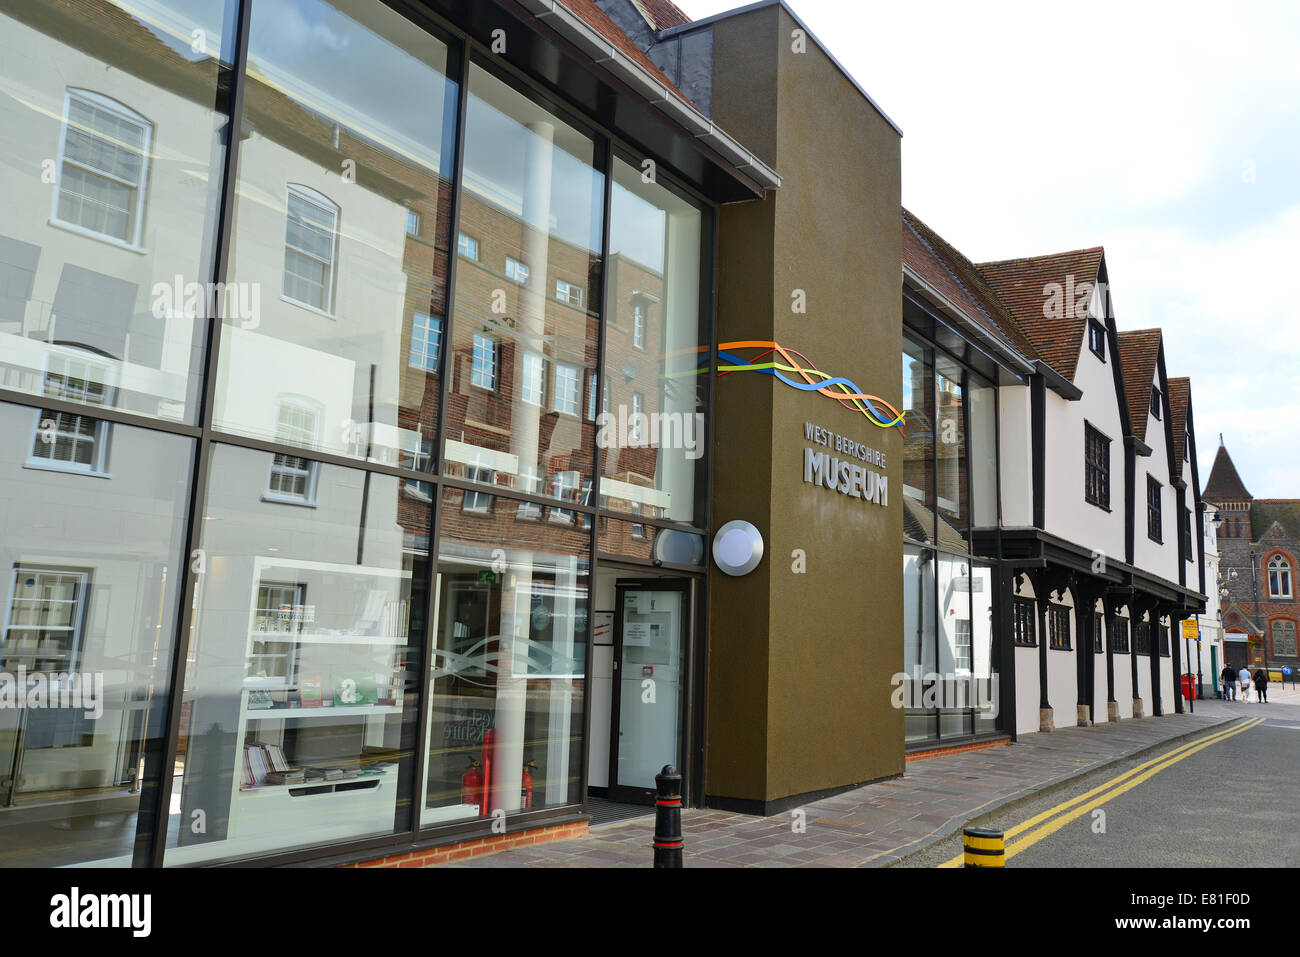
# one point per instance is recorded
(1244, 677)
(1229, 682)
(1261, 686)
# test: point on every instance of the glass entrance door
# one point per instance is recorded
(651, 627)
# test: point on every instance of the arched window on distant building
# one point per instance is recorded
(1284, 639)
(1279, 577)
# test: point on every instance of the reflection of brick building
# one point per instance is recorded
(1259, 539)
(544, 351)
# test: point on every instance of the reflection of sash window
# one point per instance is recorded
(961, 645)
(103, 167)
(568, 384)
(478, 503)
(529, 481)
(311, 222)
(281, 608)
(483, 370)
(46, 614)
(564, 486)
(534, 378)
(293, 478)
(71, 441)
(426, 341)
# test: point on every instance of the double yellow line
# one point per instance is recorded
(1057, 817)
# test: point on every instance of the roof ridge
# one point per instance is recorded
(1039, 258)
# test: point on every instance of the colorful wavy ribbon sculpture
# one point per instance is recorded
(842, 390)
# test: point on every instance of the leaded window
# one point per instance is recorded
(1096, 467)
(1022, 619)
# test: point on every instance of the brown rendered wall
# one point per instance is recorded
(800, 664)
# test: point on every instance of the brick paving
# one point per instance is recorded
(877, 824)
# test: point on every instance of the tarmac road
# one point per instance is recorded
(1229, 803)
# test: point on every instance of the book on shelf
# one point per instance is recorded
(311, 692)
(263, 762)
(297, 776)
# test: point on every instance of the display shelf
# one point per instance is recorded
(345, 613)
(323, 638)
(337, 711)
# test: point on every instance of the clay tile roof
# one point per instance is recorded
(1023, 285)
(1137, 355)
(660, 14)
(1224, 484)
(1180, 397)
(930, 256)
(602, 24)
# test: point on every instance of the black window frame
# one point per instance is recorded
(1097, 339)
(1098, 633)
(1058, 627)
(1118, 634)
(1162, 631)
(1096, 467)
(1157, 401)
(1155, 512)
(1022, 621)
(1187, 534)
(1142, 638)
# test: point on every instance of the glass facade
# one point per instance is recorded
(302, 491)
(949, 495)
(111, 172)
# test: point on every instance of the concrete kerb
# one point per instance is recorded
(954, 825)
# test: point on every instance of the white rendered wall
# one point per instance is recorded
(1157, 558)
(1062, 676)
(1067, 513)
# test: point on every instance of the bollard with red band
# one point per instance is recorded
(668, 818)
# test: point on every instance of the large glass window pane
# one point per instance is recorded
(341, 232)
(950, 465)
(511, 612)
(89, 572)
(532, 198)
(984, 669)
(956, 646)
(983, 458)
(918, 639)
(110, 162)
(651, 440)
(918, 447)
(299, 713)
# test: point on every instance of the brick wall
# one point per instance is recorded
(432, 857)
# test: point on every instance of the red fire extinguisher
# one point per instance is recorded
(489, 753)
(526, 786)
(471, 784)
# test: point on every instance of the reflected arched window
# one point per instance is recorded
(103, 164)
(309, 247)
(1279, 577)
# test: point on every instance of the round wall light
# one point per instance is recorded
(737, 548)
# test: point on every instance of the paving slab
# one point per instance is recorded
(876, 825)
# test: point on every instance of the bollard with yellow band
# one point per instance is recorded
(984, 847)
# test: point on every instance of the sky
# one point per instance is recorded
(1169, 133)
